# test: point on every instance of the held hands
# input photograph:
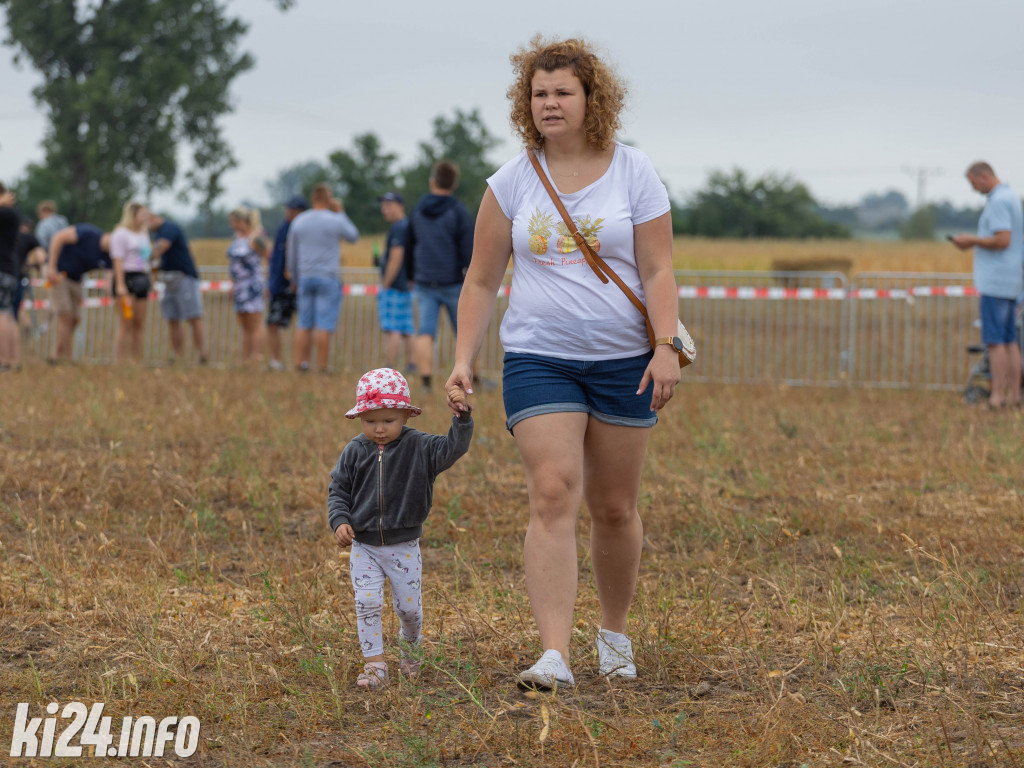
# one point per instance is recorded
(344, 535)
(663, 370)
(457, 389)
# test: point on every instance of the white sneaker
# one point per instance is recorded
(615, 655)
(550, 672)
(275, 365)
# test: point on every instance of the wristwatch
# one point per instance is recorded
(673, 341)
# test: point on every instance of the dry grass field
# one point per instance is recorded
(758, 255)
(830, 577)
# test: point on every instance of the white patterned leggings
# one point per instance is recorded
(401, 564)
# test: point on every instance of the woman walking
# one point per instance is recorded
(582, 386)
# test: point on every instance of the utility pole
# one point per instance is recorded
(922, 175)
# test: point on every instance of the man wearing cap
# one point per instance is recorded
(182, 297)
(394, 301)
(282, 299)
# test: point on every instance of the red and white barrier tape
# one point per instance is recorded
(741, 293)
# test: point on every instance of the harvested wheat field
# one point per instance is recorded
(850, 256)
(831, 577)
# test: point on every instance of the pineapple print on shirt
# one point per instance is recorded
(589, 231)
(539, 229)
(540, 225)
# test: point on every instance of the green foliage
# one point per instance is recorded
(125, 83)
(362, 176)
(366, 171)
(465, 139)
(730, 205)
(297, 179)
(920, 225)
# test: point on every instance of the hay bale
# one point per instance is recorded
(787, 270)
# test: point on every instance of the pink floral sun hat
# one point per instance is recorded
(382, 388)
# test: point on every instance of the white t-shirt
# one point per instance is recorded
(134, 247)
(557, 305)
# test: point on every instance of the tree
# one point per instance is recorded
(296, 180)
(772, 206)
(125, 82)
(361, 176)
(920, 225)
(949, 217)
(883, 211)
(464, 139)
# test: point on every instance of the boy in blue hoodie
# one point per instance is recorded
(380, 493)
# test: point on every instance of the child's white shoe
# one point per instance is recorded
(373, 676)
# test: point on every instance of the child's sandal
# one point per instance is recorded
(373, 676)
(410, 657)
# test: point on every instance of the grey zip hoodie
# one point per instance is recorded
(385, 492)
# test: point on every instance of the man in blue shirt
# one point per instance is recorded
(999, 278)
(312, 262)
(182, 299)
(282, 298)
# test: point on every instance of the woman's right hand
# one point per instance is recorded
(52, 275)
(460, 379)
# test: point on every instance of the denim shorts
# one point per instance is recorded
(182, 298)
(606, 389)
(319, 303)
(430, 299)
(998, 324)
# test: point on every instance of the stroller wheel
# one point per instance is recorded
(975, 394)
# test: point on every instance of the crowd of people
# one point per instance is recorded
(297, 275)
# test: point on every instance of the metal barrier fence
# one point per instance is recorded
(800, 328)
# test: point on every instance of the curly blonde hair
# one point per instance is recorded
(605, 91)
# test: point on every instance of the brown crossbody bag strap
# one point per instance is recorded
(599, 265)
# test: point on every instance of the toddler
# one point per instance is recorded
(380, 494)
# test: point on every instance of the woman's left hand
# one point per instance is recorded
(663, 370)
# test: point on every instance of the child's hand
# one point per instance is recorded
(458, 400)
(344, 535)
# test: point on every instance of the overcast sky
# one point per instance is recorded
(850, 98)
